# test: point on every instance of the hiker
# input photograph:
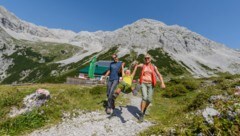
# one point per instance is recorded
(126, 84)
(148, 82)
(113, 81)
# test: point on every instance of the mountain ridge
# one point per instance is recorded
(199, 55)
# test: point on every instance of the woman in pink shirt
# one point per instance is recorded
(148, 81)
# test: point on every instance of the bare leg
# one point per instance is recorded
(147, 104)
(143, 106)
(118, 91)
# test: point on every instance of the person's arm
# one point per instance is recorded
(107, 73)
(134, 71)
(104, 77)
(160, 77)
(123, 64)
(140, 65)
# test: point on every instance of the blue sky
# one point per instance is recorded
(218, 20)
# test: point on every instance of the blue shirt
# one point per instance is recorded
(114, 69)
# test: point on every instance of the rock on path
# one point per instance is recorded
(125, 123)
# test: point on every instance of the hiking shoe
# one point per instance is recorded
(135, 92)
(113, 113)
(141, 116)
(109, 111)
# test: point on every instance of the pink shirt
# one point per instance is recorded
(147, 75)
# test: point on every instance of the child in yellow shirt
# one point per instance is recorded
(126, 84)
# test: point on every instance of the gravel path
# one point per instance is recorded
(125, 123)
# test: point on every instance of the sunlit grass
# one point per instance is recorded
(179, 113)
(64, 98)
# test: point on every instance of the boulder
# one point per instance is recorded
(34, 100)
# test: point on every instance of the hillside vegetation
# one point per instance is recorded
(28, 67)
(175, 110)
(31, 61)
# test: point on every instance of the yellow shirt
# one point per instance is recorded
(128, 79)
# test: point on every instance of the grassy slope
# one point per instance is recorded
(179, 113)
(64, 98)
(167, 112)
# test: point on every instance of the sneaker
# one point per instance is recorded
(141, 116)
(109, 111)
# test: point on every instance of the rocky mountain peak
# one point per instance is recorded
(146, 21)
(5, 12)
(7, 16)
(190, 49)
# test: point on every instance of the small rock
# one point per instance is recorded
(43, 94)
(237, 87)
(54, 73)
(172, 131)
(231, 115)
(238, 112)
(209, 113)
(42, 60)
(215, 98)
(237, 91)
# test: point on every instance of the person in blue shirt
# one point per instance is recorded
(113, 73)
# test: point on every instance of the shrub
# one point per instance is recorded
(175, 80)
(174, 91)
(97, 90)
(199, 100)
(218, 80)
(191, 84)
